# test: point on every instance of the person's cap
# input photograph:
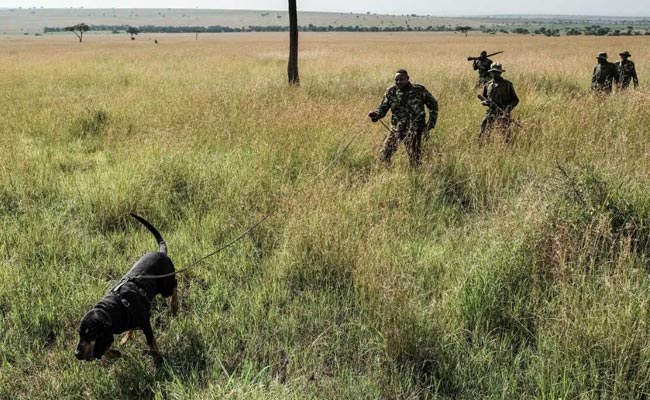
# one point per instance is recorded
(625, 54)
(496, 67)
(484, 53)
(602, 56)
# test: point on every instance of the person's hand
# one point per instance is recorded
(486, 103)
(374, 116)
(431, 125)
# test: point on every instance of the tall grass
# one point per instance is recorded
(494, 272)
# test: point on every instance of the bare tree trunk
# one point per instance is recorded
(294, 79)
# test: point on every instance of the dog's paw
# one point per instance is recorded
(112, 354)
(156, 356)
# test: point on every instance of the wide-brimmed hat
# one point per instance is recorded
(602, 56)
(496, 67)
(625, 53)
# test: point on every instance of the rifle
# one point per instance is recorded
(489, 55)
(503, 112)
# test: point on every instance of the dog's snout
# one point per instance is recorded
(84, 350)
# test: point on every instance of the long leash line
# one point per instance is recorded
(252, 227)
(390, 130)
(386, 126)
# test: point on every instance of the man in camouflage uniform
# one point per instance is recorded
(626, 71)
(482, 65)
(605, 73)
(406, 100)
(500, 98)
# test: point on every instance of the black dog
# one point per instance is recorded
(126, 307)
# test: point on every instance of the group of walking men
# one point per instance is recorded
(407, 102)
(620, 74)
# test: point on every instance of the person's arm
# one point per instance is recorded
(381, 111)
(485, 100)
(594, 78)
(593, 75)
(514, 99)
(634, 77)
(432, 105)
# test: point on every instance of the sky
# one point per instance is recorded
(632, 8)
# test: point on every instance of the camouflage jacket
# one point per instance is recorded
(501, 94)
(483, 65)
(407, 107)
(604, 75)
(626, 73)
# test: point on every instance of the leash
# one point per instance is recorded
(386, 126)
(252, 227)
(390, 130)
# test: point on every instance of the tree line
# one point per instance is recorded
(594, 30)
(256, 28)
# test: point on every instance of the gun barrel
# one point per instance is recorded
(489, 55)
(494, 54)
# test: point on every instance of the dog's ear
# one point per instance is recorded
(107, 322)
(104, 339)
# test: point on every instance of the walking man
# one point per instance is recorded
(406, 101)
(626, 71)
(500, 98)
(482, 65)
(605, 73)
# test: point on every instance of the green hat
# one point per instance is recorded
(625, 53)
(496, 67)
(602, 56)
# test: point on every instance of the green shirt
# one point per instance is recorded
(501, 94)
(407, 107)
(603, 76)
(626, 73)
(482, 65)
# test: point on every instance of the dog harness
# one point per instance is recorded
(116, 291)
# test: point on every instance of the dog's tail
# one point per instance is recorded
(157, 235)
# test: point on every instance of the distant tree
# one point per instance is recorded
(521, 31)
(464, 29)
(133, 31)
(292, 68)
(78, 30)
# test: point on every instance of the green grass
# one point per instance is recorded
(493, 272)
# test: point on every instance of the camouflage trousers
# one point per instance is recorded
(412, 142)
(495, 120)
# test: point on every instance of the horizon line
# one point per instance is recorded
(502, 15)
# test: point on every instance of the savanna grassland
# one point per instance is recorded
(497, 272)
